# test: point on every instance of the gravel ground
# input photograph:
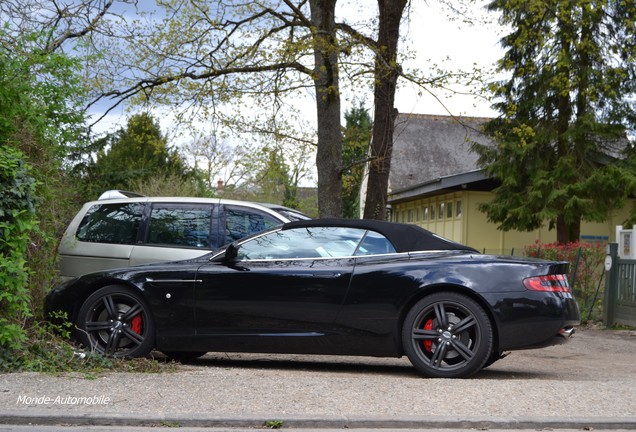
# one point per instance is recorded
(594, 375)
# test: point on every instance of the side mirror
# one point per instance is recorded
(231, 252)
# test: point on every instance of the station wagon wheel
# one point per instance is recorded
(447, 335)
(115, 321)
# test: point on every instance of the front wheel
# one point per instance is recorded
(115, 321)
(447, 335)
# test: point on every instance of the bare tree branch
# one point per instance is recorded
(69, 34)
(147, 85)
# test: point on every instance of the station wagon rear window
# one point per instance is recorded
(111, 223)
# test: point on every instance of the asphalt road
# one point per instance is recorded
(62, 428)
(588, 383)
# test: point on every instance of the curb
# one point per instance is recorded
(43, 417)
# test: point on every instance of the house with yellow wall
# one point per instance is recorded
(435, 183)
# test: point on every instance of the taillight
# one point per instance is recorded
(552, 283)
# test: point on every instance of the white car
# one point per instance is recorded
(124, 229)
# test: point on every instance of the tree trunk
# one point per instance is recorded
(386, 75)
(329, 154)
(567, 232)
(564, 116)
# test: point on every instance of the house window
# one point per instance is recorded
(410, 217)
(432, 212)
(440, 212)
(425, 216)
(417, 214)
(449, 210)
(458, 209)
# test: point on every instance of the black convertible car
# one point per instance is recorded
(329, 287)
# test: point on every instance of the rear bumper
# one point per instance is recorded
(563, 336)
(541, 319)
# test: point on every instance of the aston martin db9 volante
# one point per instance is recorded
(329, 286)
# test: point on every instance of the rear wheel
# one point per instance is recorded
(447, 335)
(495, 356)
(116, 321)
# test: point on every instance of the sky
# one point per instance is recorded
(435, 38)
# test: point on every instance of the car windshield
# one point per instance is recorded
(314, 242)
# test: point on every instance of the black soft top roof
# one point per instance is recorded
(404, 237)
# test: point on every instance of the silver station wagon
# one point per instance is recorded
(124, 229)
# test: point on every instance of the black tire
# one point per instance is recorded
(495, 356)
(447, 335)
(184, 356)
(116, 321)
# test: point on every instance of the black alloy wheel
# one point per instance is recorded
(447, 335)
(115, 321)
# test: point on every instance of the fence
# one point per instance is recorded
(620, 289)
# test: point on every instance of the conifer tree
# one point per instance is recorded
(565, 113)
(355, 147)
(138, 151)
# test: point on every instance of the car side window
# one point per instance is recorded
(180, 225)
(111, 223)
(241, 223)
(309, 242)
(374, 244)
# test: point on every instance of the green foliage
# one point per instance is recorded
(133, 155)
(273, 424)
(41, 94)
(40, 123)
(41, 115)
(631, 166)
(272, 173)
(171, 185)
(274, 180)
(566, 111)
(355, 148)
(586, 270)
(17, 222)
(168, 424)
(18, 187)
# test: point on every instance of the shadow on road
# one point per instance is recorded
(353, 365)
(307, 364)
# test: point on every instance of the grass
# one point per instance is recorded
(273, 424)
(48, 349)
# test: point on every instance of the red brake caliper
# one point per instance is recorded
(135, 324)
(428, 345)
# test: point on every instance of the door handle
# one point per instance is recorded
(330, 275)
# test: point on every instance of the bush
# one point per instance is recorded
(17, 222)
(586, 271)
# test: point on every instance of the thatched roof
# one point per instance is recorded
(429, 151)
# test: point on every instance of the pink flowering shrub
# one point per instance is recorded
(584, 277)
